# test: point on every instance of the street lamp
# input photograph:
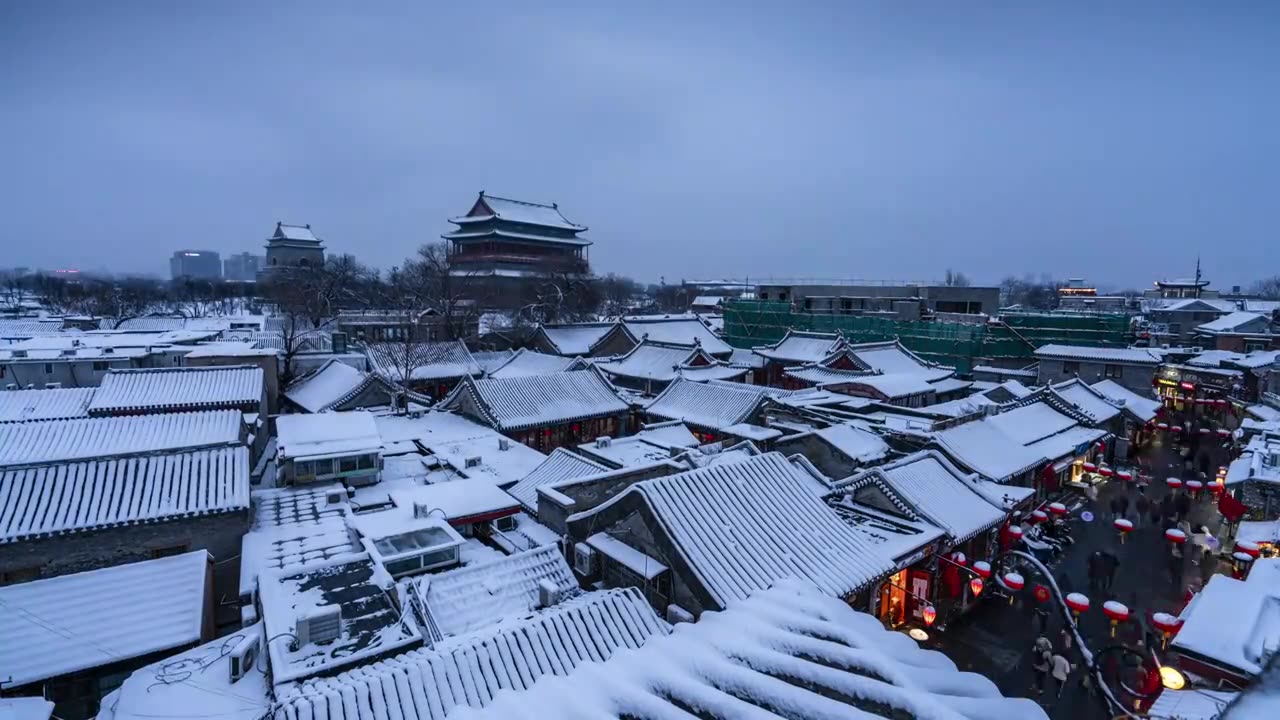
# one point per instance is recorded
(1171, 678)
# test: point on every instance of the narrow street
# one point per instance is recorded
(996, 638)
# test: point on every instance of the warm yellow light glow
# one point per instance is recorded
(1171, 678)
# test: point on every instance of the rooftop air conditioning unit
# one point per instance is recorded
(416, 414)
(584, 559)
(1164, 346)
(1197, 349)
(677, 614)
(504, 444)
(505, 524)
(548, 594)
(53, 386)
(108, 350)
(243, 657)
(333, 497)
(604, 442)
(68, 352)
(75, 342)
(320, 627)
(472, 462)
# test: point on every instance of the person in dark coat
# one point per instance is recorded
(1110, 564)
(1142, 507)
(1124, 505)
(1096, 570)
(1115, 508)
(1168, 509)
(1182, 506)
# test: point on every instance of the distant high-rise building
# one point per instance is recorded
(201, 264)
(241, 267)
(292, 246)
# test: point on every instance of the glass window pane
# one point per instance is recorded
(347, 464)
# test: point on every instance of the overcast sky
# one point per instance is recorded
(886, 140)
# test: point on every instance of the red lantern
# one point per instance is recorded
(1125, 475)
(959, 558)
(983, 568)
(1175, 536)
(1124, 526)
(1015, 532)
(1173, 483)
(1102, 447)
(1223, 432)
(1041, 593)
(1242, 562)
(1194, 487)
(1078, 603)
(1038, 516)
(1176, 428)
(1216, 487)
(975, 586)
(1014, 582)
(1057, 508)
(929, 614)
(1106, 471)
(1248, 547)
(1116, 612)
(1167, 624)
(1162, 426)
(1089, 467)
(1205, 431)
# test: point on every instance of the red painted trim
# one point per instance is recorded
(485, 517)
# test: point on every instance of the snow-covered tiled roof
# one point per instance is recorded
(981, 447)
(472, 670)
(712, 405)
(1144, 408)
(468, 598)
(559, 465)
(1183, 304)
(1246, 642)
(891, 357)
(294, 526)
(744, 358)
(528, 362)
(90, 494)
(860, 444)
(490, 360)
(1087, 400)
(294, 232)
(788, 652)
(1258, 359)
(715, 371)
(63, 403)
(83, 438)
(184, 388)
(1233, 322)
(327, 434)
(66, 624)
(454, 439)
(686, 330)
(577, 339)
(798, 348)
(819, 375)
(1137, 356)
(326, 386)
(1005, 372)
(735, 527)
(1031, 422)
(535, 400)
(895, 385)
(938, 491)
(520, 211)
(650, 360)
(423, 361)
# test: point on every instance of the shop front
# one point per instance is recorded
(1197, 395)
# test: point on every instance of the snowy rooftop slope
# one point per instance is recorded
(27, 707)
(892, 358)
(713, 405)
(649, 360)
(371, 624)
(470, 670)
(559, 465)
(490, 360)
(24, 405)
(326, 435)
(986, 450)
(454, 438)
(1097, 354)
(858, 443)
(1087, 400)
(893, 535)
(186, 388)
(1197, 704)
(787, 652)
(471, 597)
(326, 386)
(534, 400)
(294, 527)
(801, 347)
(744, 525)
(74, 496)
(1031, 422)
(669, 434)
(576, 339)
(82, 438)
(819, 375)
(285, 231)
(423, 361)
(895, 385)
(938, 492)
(64, 624)
(1254, 608)
(520, 211)
(527, 362)
(1231, 322)
(1141, 406)
(678, 330)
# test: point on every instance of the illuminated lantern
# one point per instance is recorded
(929, 613)
(1242, 562)
(1041, 593)
(975, 586)
(1116, 612)
(1173, 483)
(1167, 624)
(1106, 471)
(1124, 526)
(959, 558)
(1162, 426)
(1015, 532)
(1216, 487)
(1057, 508)
(1194, 487)
(1248, 548)
(1223, 432)
(1125, 475)
(983, 568)
(1089, 467)
(1175, 536)
(1038, 516)
(1014, 582)
(1176, 429)
(1078, 603)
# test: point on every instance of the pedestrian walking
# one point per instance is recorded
(1041, 662)
(1182, 506)
(1096, 571)
(1142, 508)
(1060, 669)
(1175, 566)
(1112, 564)
(1091, 494)
(1124, 506)
(1114, 505)
(1065, 640)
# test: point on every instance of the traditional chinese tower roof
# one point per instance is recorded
(493, 217)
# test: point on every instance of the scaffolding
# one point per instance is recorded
(1008, 340)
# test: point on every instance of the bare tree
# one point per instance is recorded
(116, 301)
(618, 292)
(1266, 288)
(426, 285)
(956, 279)
(305, 298)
